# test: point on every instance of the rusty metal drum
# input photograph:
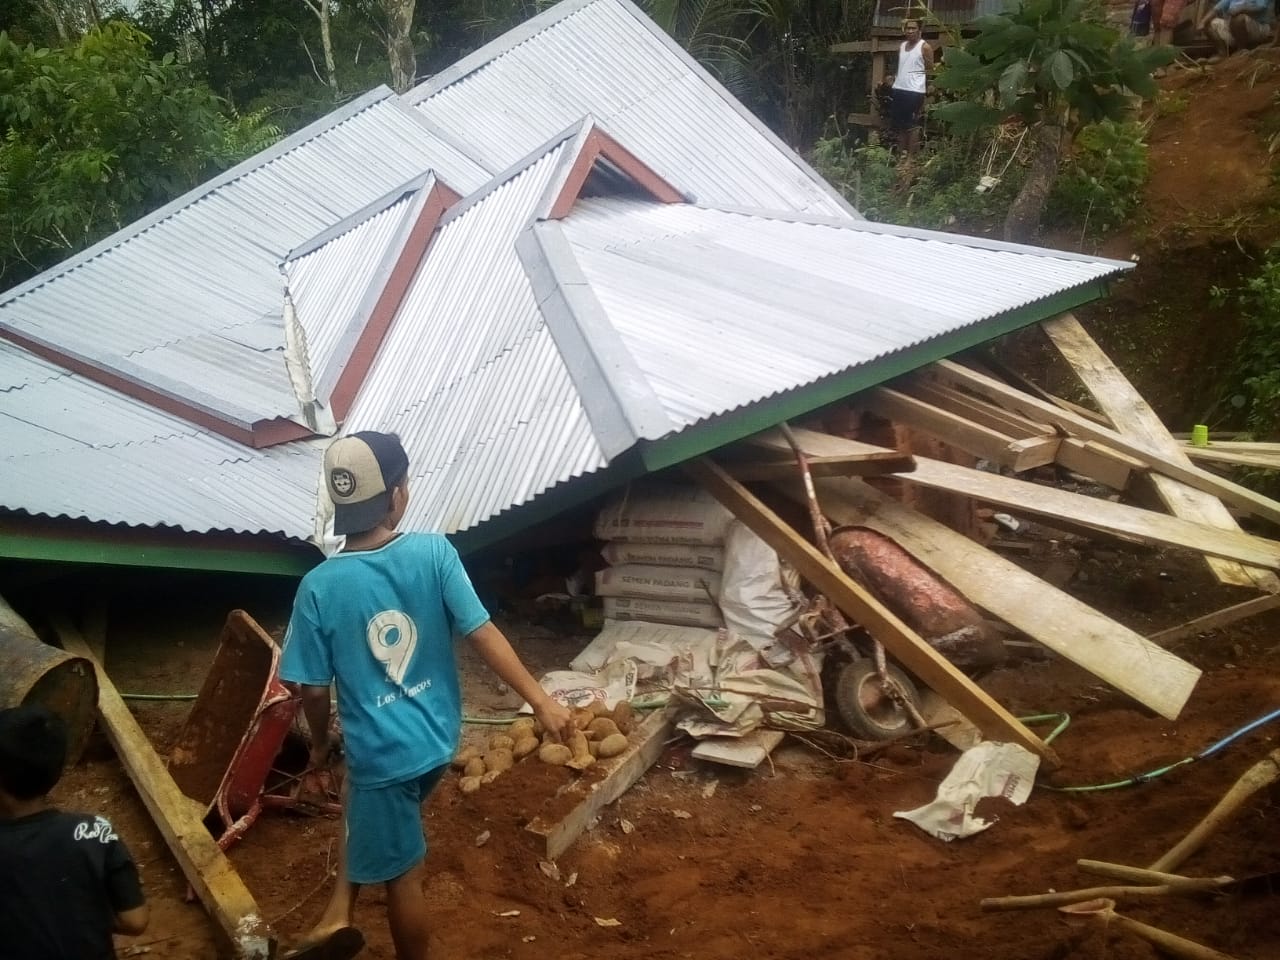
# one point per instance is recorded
(32, 672)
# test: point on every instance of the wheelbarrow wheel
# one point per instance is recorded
(865, 706)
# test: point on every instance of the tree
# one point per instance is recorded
(98, 133)
(323, 12)
(1055, 66)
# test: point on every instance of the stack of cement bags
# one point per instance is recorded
(665, 548)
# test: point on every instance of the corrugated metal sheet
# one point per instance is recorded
(175, 298)
(332, 286)
(780, 304)
(606, 59)
(470, 377)
(74, 448)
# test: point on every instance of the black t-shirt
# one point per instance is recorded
(63, 878)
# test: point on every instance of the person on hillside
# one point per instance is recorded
(1165, 15)
(67, 883)
(1237, 25)
(379, 618)
(910, 84)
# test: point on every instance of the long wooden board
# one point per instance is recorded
(933, 669)
(1088, 513)
(622, 773)
(1234, 494)
(959, 431)
(1134, 418)
(971, 408)
(205, 866)
(1075, 631)
(1233, 458)
(1219, 618)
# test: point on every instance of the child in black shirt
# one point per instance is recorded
(66, 881)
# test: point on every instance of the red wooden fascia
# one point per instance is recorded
(439, 200)
(599, 144)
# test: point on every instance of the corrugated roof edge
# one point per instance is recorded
(565, 8)
(917, 233)
(260, 159)
(617, 397)
(440, 133)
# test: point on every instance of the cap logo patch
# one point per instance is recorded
(343, 481)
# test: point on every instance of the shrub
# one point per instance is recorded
(1102, 182)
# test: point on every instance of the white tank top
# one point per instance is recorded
(911, 75)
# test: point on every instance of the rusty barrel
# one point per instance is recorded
(32, 672)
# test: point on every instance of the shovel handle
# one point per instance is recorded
(1176, 883)
(1266, 771)
(1170, 943)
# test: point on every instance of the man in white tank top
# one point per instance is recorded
(915, 60)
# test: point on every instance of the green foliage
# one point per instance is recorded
(942, 193)
(1050, 61)
(1102, 182)
(1256, 370)
(97, 134)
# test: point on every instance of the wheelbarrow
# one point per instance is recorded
(230, 754)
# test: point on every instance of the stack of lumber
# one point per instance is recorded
(1017, 427)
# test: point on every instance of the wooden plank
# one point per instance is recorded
(863, 465)
(747, 752)
(1059, 506)
(205, 866)
(974, 409)
(1245, 499)
(1134, 418)
(1031, 452)
(1233, 458)
(1072, 629)
(901, 641)
(1001, 369)
(951, 428)
(1111, 469)
(1219, 618)
(1235, 446)
(597, 792)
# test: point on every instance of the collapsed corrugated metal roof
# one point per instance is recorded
(537, 331)
(607, 59)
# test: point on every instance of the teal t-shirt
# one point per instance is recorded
(380, 623)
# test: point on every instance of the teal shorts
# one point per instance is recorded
(384, 827)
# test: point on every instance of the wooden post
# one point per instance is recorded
(1134, 418)
(205, 866)
(1245, 499)
(900, 640)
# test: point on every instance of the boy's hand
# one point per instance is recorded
(555, 718)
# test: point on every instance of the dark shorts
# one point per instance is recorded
(384, 827)
(905, 109)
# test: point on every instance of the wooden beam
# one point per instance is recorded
(861, 465)
(1217, 619)
(1133, 418)
(1245, 499)
(934, 670)
(205, 866)
(597, 793)
(1003, 370)
(1111, 469)
(1072, 629)
(979, 440)
(1233, 458)
(973, 408)
(1058, 506)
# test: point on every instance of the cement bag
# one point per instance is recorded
(663, 611)
(658, 583)
(752, 599)
(664, 513)
(663, 555)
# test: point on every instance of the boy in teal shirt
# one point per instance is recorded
(378, 619)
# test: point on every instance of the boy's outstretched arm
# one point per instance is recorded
(133, 922)
(503, 660)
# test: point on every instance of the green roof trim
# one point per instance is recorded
(712, 434)
(62, 541)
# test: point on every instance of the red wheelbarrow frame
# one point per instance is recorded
(226, 751)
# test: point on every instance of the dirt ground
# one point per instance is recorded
(803, 857)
